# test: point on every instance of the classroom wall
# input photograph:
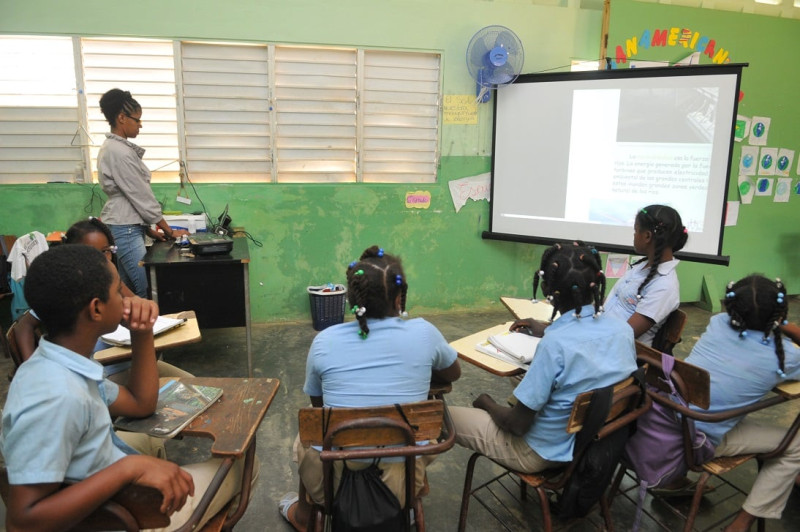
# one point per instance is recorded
(765, 238)
(311, 232)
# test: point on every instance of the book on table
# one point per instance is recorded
(178, 404)
(122, 336)
(519, 346)
(487, 348)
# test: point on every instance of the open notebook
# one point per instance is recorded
(512, 347)
(122, 336)
(178, 404)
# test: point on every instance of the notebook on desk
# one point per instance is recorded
(122, 336)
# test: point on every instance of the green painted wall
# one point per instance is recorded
(311, 232)
(765, 239)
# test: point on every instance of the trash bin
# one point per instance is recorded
(327, 305)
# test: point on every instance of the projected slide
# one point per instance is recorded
(577, 155)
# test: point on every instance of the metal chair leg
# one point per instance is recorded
(698, 495)
(467, 493)
(544, 500)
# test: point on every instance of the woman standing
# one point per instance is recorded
(131, 207)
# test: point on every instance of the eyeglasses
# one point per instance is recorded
(138, 121)
(110, 249)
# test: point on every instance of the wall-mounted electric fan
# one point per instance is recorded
(494, 57)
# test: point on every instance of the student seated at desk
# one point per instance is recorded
(94, 233)
(746, 356)
(582, 350)
(649, 291)
(379, 359)
(56, 423)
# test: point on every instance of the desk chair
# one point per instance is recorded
(627, 404)
(13, 345)
(693, 384)
(373, 427)
(669, 335)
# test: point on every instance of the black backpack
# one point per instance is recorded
(594, 470)
(5, 268)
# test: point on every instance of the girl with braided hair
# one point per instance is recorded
(746, 355)
(131, 206)
(649, 290)
(377, 359)
(582, 350)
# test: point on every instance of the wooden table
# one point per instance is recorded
(188, 333)
(217, 287)
(232, 423)
(523, 308)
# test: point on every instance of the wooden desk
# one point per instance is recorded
(523, 308)
(217, 287)
(188, 333)
(232, 423)
(465, 347)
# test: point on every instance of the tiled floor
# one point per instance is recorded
(280, 352)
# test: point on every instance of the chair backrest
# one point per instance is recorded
(13, 344)
(669, 335)
(345, 432)
(132, 509)
(692, 382)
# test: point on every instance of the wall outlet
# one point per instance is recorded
(183, 199)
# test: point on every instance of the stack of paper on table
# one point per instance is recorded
(122, 336)
(178, 404)
(512, 347)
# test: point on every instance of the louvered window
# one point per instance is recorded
(40, 139)
(146, 69)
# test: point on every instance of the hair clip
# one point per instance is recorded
(363, 335)
(734, 323)
(644, 211)
(780, 373)
(380, 252)
(398, 280)
(351, 265)
(360, 272)
(730, 295)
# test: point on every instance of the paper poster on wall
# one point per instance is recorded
(460, 109)
(759, 130)
(783, 190)
(742, 128)
(784, 164)
(746, 189)
(731, 213)
(616, 265)
(419, 199)
(764, 186)
(477, 187)
(767, 160)
(748, 160)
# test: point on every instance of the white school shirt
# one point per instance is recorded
(25, 249)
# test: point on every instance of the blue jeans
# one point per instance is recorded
(130, 251)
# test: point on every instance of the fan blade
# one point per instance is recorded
(476, 51)
(500, 75)
(508, 40)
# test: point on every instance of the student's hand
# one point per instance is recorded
(174, 483)
(156, 234)
(483, 401)
(529, 326)
(177, 233)
(139, 314)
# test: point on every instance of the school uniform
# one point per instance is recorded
(576, 354)
(743, 370)
(56, 426)
(659, 297)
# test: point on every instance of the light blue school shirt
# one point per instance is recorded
(575, 355)
(742, 370)
(55, 423)
(392, 365)
(659, 297)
